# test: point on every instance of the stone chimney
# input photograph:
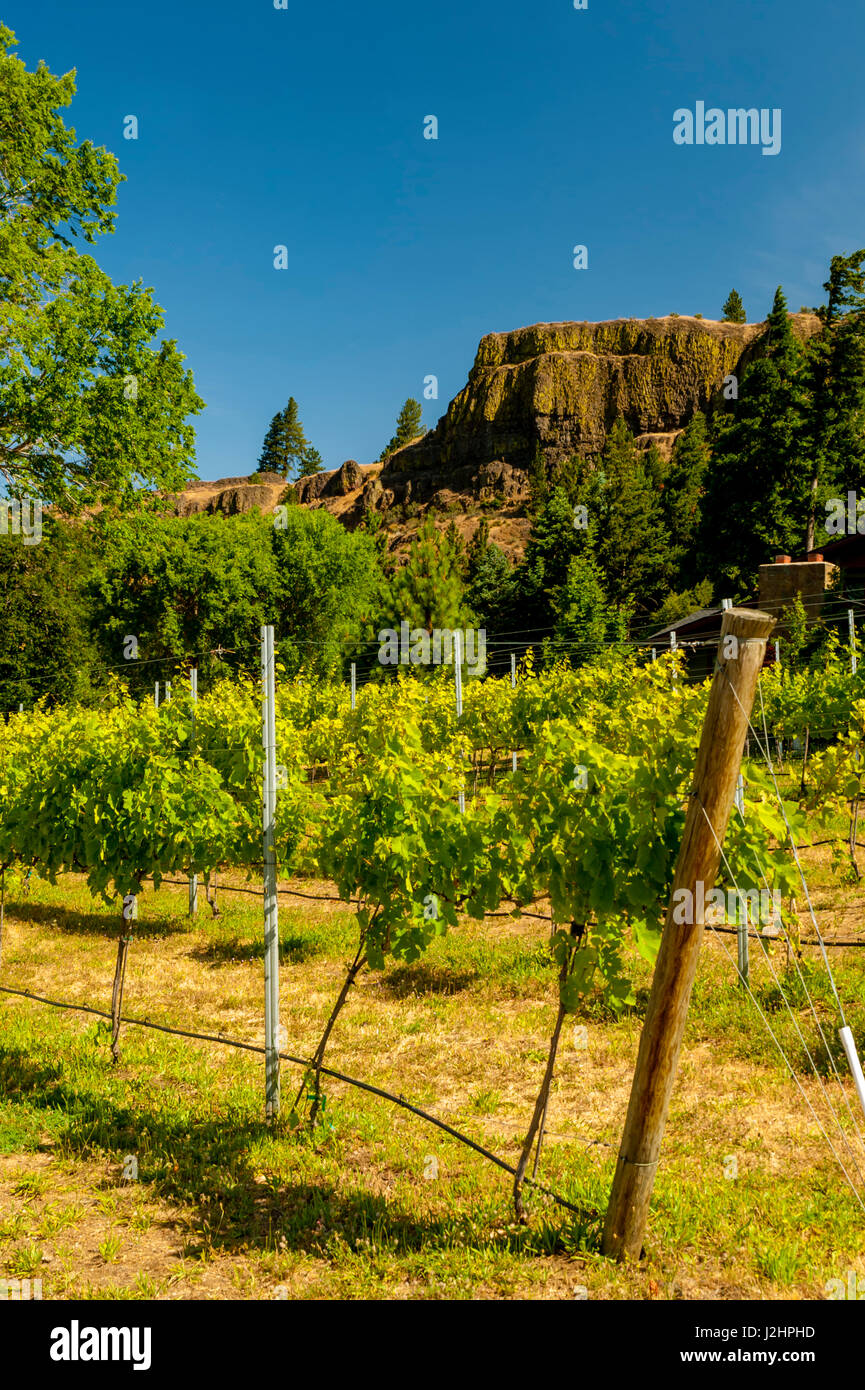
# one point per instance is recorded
(781, 581)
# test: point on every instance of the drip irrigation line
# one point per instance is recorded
(302, 1062)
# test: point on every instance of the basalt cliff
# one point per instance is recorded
(554, 387)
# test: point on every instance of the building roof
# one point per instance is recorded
(701, 620)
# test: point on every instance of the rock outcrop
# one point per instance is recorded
(554, 387)
(559, 387)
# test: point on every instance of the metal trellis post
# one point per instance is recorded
(271, 906)
(193, 878)
(458, 686)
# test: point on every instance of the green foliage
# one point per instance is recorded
(835, 370)
(683, 490)
(92, 406)
(328, 582)
(427, 591)
(409, 425)
(182, 586)
(490, 592)
(46, 650)
(585, 619)
(633, 545)
(734, 309)
(758, 488)
(285, 445)
(539, 487)
(311, 463)
(194, 585)
(127, 790)
(679, 605)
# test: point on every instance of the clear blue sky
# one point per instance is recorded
(304, 127)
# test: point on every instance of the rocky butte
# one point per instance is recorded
(555, 387)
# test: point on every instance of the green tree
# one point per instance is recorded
(478, 546)
(836, 377)
(539, 483)
(734, 309)
(427, 591)
(758, 488)
(188, 586)
(273, 457)
(543, 570)
(632, 543)
(285, 445)
(46, 651)
(585, 619)
(408, 426)
(327, 591)
(683, 496)
(91, 406)
(490, 592)
(183, 586)
(311, 463)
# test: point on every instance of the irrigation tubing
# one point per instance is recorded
(302, 1062)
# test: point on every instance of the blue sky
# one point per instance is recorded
(304, 127)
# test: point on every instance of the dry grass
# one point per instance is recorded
(225, 1207)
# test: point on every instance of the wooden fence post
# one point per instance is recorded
(715, 775)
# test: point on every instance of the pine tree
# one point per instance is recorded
(539, 484)
(734, 309)
(836, 373)
(584, 618)
(683, 494)
(427, 591)
(272, 459)
(285, 444)
(478, 546)
(408, 427)
(632, 544)
(295, 442)
(311, 463)
(758, 487)
(490, 593)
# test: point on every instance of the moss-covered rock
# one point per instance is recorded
(562, 385)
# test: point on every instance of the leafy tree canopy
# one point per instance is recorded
(91, 406)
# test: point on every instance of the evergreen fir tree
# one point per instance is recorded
(285, 444)
(458, 549)
(478, 546)
(427, 591)
(295, 442)
(272, 459)
(734, 309)
(585, 621)
(408, 426)
(836, 374)
(632, 543)
(758, 487)
(311, 463)
(682, 497)
(539, 485)
(490, 594)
